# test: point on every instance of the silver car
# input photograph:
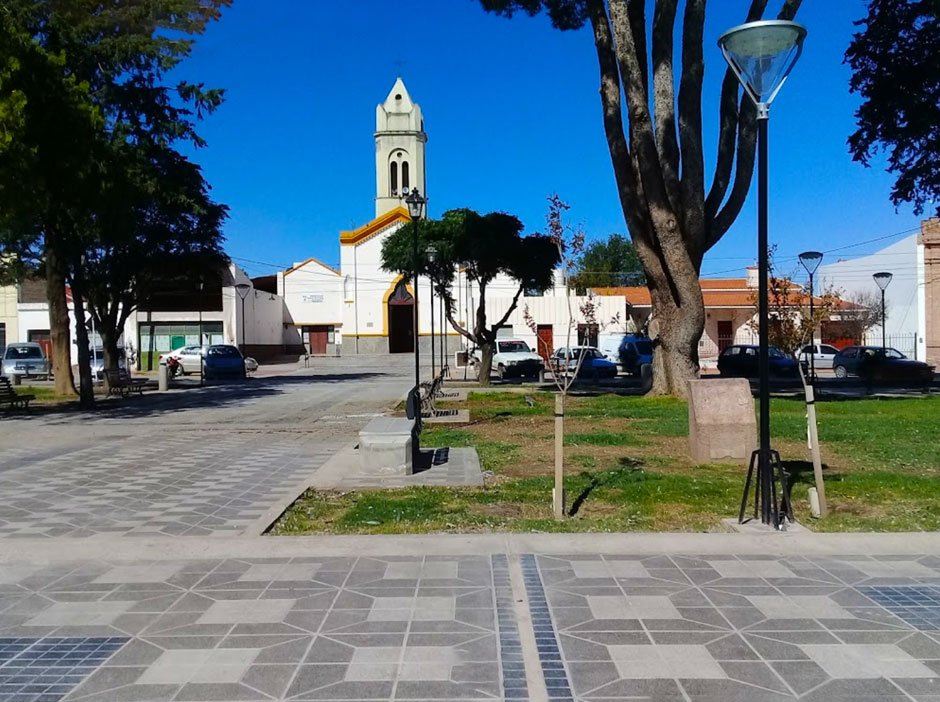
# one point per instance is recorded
(26, 360)
(823, 353)
(97, 362)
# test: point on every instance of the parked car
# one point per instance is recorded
(26, 359)
(97, 362)
(634, 351)
(593, 365)
(822, 355)
(741, 360)
(189, 358)
(223, 360)
(513, 359)
(880, 365)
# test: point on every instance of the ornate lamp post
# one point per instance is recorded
(416, 204)
(810, 261)
(762, 54)
(242, 289)
(881, 280)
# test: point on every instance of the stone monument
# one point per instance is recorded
(722, 420)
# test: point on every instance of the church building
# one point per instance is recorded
(360, 307)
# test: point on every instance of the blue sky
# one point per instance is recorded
(512, 113)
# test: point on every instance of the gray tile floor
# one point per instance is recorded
(444, 628)
(703, 629)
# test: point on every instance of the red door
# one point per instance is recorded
(545, 341)
(44, 339)
(725, 335)
(317, 336)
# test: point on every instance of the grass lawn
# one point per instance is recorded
(628, 469)
(42, 393)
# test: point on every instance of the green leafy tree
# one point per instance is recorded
(484, 246)
(895, 62)
(156, 220)
(111, 60)
(609, 263)
(655, 143)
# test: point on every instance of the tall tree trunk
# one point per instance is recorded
(675, 331)
(59, 323)
(485, 366)
(86, 387)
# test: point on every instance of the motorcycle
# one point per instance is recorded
(173, 367)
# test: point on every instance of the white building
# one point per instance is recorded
(904, 297)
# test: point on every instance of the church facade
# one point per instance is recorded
(362, 309)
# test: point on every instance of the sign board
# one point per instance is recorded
(317, 297)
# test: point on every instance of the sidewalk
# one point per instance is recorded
(692, 617)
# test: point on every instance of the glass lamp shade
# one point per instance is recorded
(762, 54)
(811, 260)
(415, 202)
(242, 289)
(882, 279)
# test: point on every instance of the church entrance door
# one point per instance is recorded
(401, 322)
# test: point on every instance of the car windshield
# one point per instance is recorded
(513, 347)
(224, 351)
(894, 353)
(20, 353)
(776, 353)
(644, 348)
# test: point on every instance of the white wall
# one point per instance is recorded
(313, 294)
(904, 295)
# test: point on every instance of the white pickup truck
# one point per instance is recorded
(512, 359)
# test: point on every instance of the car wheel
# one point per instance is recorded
(841, 372)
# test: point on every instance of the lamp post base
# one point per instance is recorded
(778, 514)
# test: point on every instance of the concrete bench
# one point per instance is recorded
(386, 444)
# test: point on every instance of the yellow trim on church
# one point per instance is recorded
(399, 214)
(311, 260)
(387, 295)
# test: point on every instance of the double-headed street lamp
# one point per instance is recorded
(416, 204)
(762, 54)
(810, 261)
(881, 280)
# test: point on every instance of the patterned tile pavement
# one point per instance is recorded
(605, 628)
(183, 485)
(758, 629)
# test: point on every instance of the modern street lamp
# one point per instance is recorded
(431, 252)
(243, 289)
(202, 355)
(881, 280)
(416, 204)
(810, 261)
(762, 54)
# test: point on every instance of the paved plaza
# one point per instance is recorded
(134, 568)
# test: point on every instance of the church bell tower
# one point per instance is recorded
(399, 149)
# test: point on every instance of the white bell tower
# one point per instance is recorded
(399, 149)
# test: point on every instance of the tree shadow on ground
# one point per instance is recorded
(594, 481)
(187, 395)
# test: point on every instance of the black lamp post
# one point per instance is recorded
(762, 54)
(416, 204)
(431, 252)
(881, 280)
(810, 261)
(242, 289)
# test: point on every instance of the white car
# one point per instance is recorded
(822, 355)
(189, 358)
(513, 359)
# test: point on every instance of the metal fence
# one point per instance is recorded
(905, 343)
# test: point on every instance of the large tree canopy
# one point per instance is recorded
(83, 102)
(655, 144)
(483, 247)
(895, 64)
(610, 262)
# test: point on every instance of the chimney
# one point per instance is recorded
(752, 277)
